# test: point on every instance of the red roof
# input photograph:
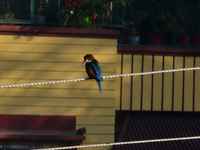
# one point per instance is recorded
(159, 125)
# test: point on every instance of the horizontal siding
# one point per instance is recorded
(92, 120)
(176, 91)
(86, 85)
(18, 39)
(56, 101)
(54, 56)
(45, 67)
(69, 93)
(77, 111)
(27, 59)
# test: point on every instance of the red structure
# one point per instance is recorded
(36, 127)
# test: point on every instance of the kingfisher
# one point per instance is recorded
(93, 69)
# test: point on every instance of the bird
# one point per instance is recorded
(81, 131)
(93, 69)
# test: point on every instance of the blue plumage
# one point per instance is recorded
(93, 69)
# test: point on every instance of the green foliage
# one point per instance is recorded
(5, 9)
(64, 15)
(196, 14)
(40, 6)
(167, 16)
(135, 12)
(178, 19)
(79, 13)
(7, 15)
(158, 10)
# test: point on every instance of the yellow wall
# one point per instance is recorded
(177, 91)
(25, 59)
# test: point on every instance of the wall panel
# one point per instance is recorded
(197, 86)
(188, 86)
(178, 84)
(167, 84)
(157, 84)
(126, 86)
(136, 90)
(118, 83)
(26, 59)
(147, 84)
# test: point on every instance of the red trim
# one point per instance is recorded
(43, 137)
(39, 127)
(159, 50)
(63, 32)
(37, 122)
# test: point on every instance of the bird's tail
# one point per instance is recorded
(99, 84)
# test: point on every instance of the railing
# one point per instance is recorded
(176, 91)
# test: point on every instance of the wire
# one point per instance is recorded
(124, 143)
(104, 77)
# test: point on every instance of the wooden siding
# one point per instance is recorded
(26, 59)
(177, 91)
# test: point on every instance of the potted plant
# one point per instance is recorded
(39, 16)
(178, 21)
(7, 15)
(135, 12)
(157, 18)
(195, 39)
(5, 10)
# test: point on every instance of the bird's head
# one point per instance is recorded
(88, 58)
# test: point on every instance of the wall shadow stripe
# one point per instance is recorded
(194, 78)
(131, 83)
(183, 88)
(142, 69)
(152, 86)
(162, 94)
(121, 82)
(173, 84)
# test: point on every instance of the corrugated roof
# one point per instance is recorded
(159, 125)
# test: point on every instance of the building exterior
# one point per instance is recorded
(176, 91)
(45, 54)
(37, 54)
(157, 106)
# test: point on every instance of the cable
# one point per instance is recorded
(124, 143)
(104, 77)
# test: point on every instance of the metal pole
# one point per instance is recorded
(32, 11)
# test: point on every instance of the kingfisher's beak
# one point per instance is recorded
(85, 61)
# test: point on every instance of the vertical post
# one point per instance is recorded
(117, 21)
(58, 4)
(111, 13)
(122, 25)
(32, 11)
